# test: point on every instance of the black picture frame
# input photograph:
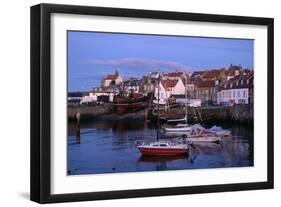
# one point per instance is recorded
(41, 95)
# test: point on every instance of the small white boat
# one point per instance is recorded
(204, 138)
(220, 131)
(200, 134)
(178, 128)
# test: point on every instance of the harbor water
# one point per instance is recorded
(109, 146)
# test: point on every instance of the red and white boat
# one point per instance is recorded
(163, 148)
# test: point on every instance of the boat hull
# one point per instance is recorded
(223, 133)
(129, 107)
(182, 129)
(163, 152)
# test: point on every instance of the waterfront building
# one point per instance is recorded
(231, 72)
(214, 74)
(197, 75)
(175, 75)
(153, 75)
(132, 86)
(190, 88)
(238, 90)
(221, 74)
(206, 91)
(112, 80)
(168, 88)
(101, 94)
(75, 97)
(147, 85)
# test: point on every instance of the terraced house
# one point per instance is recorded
(238, 90)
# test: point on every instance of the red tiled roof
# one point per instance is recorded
(230, 72)
(206, 84)
(238, 82)
(111, 77)
(175, 74)
(169, 83)
(212, 74)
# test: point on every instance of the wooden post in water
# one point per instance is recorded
(78, 118)
(145, 115)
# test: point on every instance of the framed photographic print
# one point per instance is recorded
(132, 103)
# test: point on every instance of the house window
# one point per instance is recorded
(241, 101)
(238, 93)
(244, 94)
(233, 94)
(223, 94)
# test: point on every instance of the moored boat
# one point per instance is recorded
(197, 133)
(163, 148)
(129, 107)
(132, 103)
(204, 137)
(220, 131)
(178, 128)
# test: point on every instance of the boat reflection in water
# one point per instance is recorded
(109, 146)
(161, 162)
(147, 158)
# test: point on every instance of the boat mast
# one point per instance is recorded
(158, 122)
(185, 99)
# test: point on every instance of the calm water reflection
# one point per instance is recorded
(107, 146)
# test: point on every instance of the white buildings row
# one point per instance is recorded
(233, 86)
(238, 90)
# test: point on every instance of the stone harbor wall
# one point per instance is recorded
(239, 113)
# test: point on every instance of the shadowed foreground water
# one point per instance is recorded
(107, 146)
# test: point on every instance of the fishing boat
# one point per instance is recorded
(163, 148)
(220, 131)
(132, 103)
